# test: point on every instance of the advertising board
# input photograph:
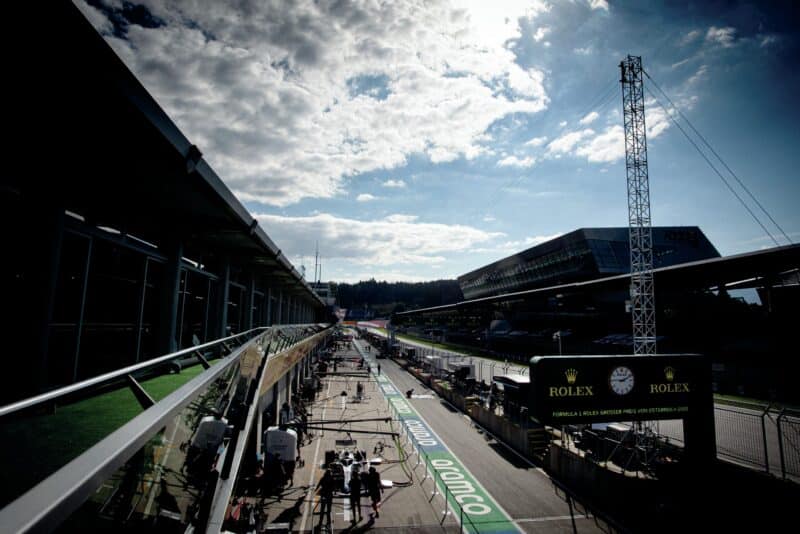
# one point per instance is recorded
(590, 389)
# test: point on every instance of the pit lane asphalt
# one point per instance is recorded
(522, 489)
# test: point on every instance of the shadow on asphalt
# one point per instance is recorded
(449, 407)
(509, 456)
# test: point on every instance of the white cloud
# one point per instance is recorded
(723, 36)
(394, 240)
(95, 17)
(541, 33)
(511, 247)
(287, 104)
(488, 218)
(519, 191)
(589, 118)
(768, 40)
(565, 143)
(606, 147)
(494, 27)
(598, 4)
(401, 218)
(381, 276)
(689, 37)
(562, 124)
(397, 184)
(537, 141)
(514, 161)
(584, 51)
(681, 63)
(609, 145)
(698, 75)
(365, 197)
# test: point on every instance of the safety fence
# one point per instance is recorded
(439, 484)
(755, 436)
(135, 439)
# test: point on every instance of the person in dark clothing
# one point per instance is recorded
(278, 473)
(355, 496)
(375, 489)
(326, 487)
(379, 369)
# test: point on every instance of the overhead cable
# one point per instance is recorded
(703, 139)
(724, 180)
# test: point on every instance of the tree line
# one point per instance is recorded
(389, 297)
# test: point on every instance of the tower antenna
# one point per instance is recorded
(643, 309)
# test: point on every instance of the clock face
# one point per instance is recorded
(621, 380)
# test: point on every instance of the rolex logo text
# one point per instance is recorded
(571, 390)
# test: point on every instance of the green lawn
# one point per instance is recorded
(34, 447)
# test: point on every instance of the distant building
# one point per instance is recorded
(584, 254)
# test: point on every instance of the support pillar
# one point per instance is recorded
(42, 263)
(224, 295)
(270, 319)
(170, 298)
(249, 300)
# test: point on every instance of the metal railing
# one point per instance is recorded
(431, 472)
(118, 374)
(759, 437)
(117, 477)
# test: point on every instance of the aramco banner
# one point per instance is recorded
(590, 389)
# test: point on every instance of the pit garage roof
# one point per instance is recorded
(764, 265)
(88, 137)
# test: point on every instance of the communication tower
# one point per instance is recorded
(643, 309)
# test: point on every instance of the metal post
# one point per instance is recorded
(571, 514)
(780, 443)
(249, 301)
(79, 333)
(269, 306)
(171, 296)
(224, 295)
(183, 293)
(140, 315)
(764, 437)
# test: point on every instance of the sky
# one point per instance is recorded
(419, 140)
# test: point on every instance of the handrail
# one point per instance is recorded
(45, 506)
(119, 373)
(48, 503)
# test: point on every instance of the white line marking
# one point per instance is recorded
(477, 481)
(313, 468)
(551, 518)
